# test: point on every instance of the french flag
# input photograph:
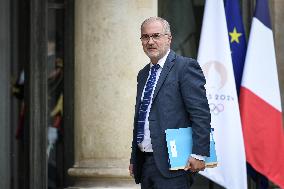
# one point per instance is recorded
(260, 104)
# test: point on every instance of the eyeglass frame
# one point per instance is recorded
(145, 38)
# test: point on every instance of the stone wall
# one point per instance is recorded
(108, 55)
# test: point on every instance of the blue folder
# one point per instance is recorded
(179, 143)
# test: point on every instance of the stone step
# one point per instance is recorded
(106, 183)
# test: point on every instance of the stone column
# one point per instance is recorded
(108, 55)
(277, 18)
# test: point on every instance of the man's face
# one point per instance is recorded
(158, 44)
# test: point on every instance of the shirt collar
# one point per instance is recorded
(162, 61)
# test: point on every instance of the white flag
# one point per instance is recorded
(216, 62)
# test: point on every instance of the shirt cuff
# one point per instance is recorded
(199, 157)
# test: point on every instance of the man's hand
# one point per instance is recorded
(131, 170)
(194, 165)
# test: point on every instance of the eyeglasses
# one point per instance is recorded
(155, 36)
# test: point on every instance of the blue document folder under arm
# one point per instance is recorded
(179, 143)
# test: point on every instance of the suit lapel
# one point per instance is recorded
(141, 84)
(144, 75)
(166, 69)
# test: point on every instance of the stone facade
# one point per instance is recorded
(108, 56)
(277, 9)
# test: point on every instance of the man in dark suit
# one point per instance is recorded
(170, 94)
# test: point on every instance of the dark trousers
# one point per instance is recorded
(153, 179)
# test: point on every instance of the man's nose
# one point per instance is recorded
(151, 41)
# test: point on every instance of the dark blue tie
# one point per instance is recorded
(145, 102)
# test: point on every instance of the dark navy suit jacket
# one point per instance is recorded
(179, 100)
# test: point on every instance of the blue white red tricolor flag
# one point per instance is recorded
(260, 103)
(238, 52)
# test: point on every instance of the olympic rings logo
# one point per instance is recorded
(216, 108)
